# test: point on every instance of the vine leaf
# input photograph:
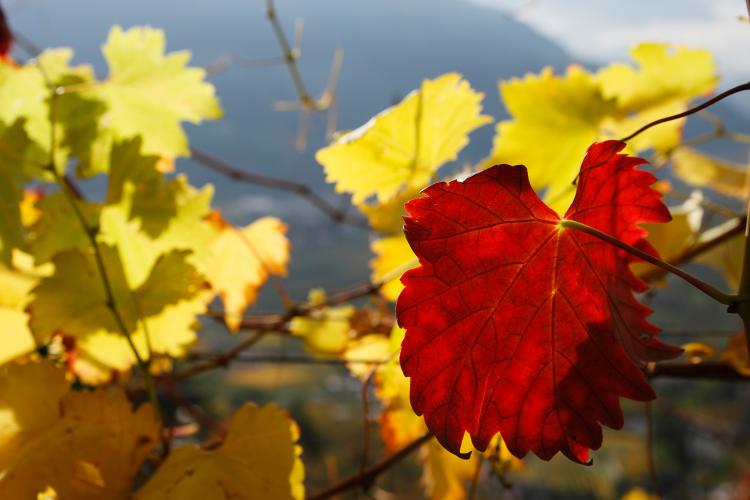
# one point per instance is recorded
(664, 82)
(148, 93)
(160, 315)
(258, 457)
(519, 325)
(392, 253)
(82, 444)
(702, 170)
(241, 259)
(406, 144)
(326, 330)
(17, 281)
(565, 109)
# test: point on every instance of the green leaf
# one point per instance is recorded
(149, 94)
(159, 315)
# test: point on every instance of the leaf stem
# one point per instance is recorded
(72, 198)
(700, 107)
(701, 285)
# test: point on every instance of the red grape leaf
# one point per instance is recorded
(517, 324)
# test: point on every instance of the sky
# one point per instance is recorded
(601, 31)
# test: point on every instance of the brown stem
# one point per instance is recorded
(367, 477)
(303, 190)
(700, 107)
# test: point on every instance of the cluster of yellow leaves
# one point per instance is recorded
(82, 444)
(258, 456)
(105, 443)
(164, 252)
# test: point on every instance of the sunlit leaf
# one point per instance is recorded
(83, 445)
(663, 83)
(404, 146)
(326, 330)
(240, 261)
(703, 170)
(393, 257)
(149, 93)
(554, 119)
(258, 458)
(159, 316)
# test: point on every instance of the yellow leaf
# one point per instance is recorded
(82, 445)
(393, 258)
(160, 315)
(404, 146)
(665, 81)
(554, 120)
(149, 93)
(326, 330)
(639, 494)
(147, 216)
(374, 347)
(735, 353)
(674, 237)
(725, 257)
(703, 170)
(445, 474)
(14, 145)
(387, 217)
(15, 287)
(662, 73)
(240, 261)
(257, 459)
(58, 229)
(49, 493)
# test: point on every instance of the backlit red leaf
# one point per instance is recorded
(516, 324)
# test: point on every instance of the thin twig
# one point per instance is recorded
(366, 478)
(710, 102)
(303, 190)
(222, 360)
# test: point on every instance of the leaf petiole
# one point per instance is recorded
(701, 285)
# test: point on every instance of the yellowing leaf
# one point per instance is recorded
(676, 236)
(554, 121)
(26, 93)
(404, 146)
(257, 459)
(445, 475)
(240, 261)
(15, 287)
(703, 170)
(726, 257)
(735, 353)
(58, 229)
(147, 215)
(639, 494)
(149, 93)
(393, 258)
(82, 445)
(326, 330)
(665, 81)
(13, 147)
(387, 217)
(160, 315)
(662, 73)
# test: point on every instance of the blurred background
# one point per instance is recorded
(700, 433)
